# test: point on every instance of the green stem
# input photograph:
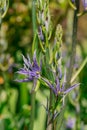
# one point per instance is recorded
(34, 16)
(34, 83)
(49, 118)
(74, 41)
(32, 110)
(34, 24)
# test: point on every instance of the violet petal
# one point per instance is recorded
(71, 88)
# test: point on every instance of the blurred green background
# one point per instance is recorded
(16, 36)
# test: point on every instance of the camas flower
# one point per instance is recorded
(30, 70)
(57, 88)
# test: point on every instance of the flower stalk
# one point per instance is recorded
(33, 95)
(34, 82)
(50, 125)
(34, 46)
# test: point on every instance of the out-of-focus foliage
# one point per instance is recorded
(16, 37)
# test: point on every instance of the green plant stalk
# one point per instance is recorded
(60, 118)
(74, 41)
(34, 25)
(34, 83)
(34, 16)
(32, 110)
(50, 125)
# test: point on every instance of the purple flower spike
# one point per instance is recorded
(30, 70)
(59, 88)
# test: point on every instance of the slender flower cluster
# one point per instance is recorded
(57, 88)
(30, 70)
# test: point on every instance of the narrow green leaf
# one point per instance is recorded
(79, 70)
